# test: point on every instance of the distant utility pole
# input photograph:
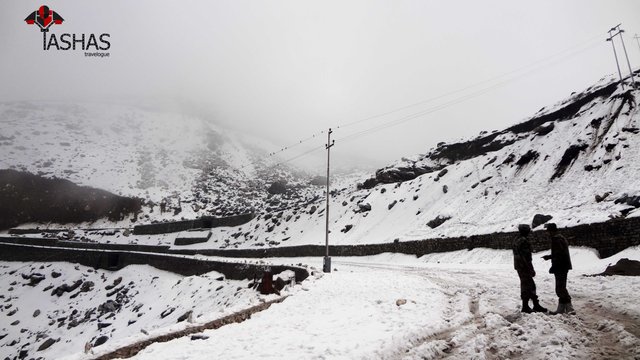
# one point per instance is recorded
(638, 40)
(615, 54)
(620, 32)
(326, 266)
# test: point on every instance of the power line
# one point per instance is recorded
(299, 156)
(591, 39)
(454, 101)
(409, 117)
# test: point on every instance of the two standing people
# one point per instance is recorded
(560, 266)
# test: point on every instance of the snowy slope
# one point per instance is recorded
(576, 161)
(122, 306)
(554, 163)
(190, 165)
(459, 305)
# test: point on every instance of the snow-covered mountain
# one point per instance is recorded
(576, 161)
(180, 166)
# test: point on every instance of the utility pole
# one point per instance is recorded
(638, 40)
(615, 54)
(620, 32)
(326, 266)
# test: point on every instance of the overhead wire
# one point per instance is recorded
(589, 40)
(436, 108)
(455, 101)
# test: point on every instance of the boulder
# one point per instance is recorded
(539, 219)
(34, 279)
(544, 129)
(199, 337)
(368, 184)
(364, 207)
(277, 187)
(283, 279)
(346, 228)
(185, 316)
(108, 306)
(624, 267)
(47, 344)
(439, 220)
(167, 312)
(60, 290)
(87, 286)
(101, 340)
(629, 200)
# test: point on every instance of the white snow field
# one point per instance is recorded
(143, 303)
(459, 305)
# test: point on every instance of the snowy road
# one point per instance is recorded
(459, 305)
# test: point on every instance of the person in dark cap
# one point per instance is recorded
(560, 266)
(522, 263)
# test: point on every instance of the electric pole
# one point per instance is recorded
(638, 40)
(620, 32)
(615, 54)
(326, 267)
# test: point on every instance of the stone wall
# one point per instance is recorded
(203, 222)
(115, 260)
(608, 238)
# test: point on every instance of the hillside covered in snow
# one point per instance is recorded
(574, 162)
(177, 166)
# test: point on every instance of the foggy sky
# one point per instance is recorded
(285, 70)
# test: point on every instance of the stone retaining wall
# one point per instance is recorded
(115, 260)
(608, 238)
(203, 222)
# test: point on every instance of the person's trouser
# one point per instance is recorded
(561, 288)
(527, 287)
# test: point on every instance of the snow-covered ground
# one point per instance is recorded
(123, 306)
(461, 305)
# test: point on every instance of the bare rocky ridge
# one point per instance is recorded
(27, 197)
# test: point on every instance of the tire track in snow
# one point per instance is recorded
(461, 312)
(505, 334)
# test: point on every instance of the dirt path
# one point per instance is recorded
(485, 325)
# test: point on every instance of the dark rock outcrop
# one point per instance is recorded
(569, 156)
(277, 187)
(539, 219)
(22, 195)
(624, 267)
(439, 220)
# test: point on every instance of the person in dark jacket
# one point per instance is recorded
(560, 266)
(522, 263)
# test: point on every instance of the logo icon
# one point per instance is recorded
(44, 18)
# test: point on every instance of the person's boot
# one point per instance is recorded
(538, 308)
(569, 309)
(562, 308)
(525, 307)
